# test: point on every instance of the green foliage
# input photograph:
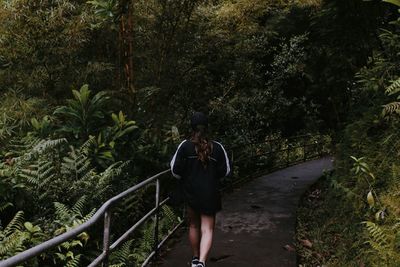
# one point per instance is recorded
(327, 231)
(106, 10)
(48, 46)
(394, 107)
(18, 235)
(84, 113)
(366, 177)
(260, 69)
(123, 255)
(67, 219)
(16, 112)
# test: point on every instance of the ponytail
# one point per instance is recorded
(202, 144)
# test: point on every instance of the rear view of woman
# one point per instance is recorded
(200, 163)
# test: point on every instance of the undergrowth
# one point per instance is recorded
(327, 232)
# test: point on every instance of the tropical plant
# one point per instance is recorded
(18, 235)
(393, 107)
(67, 219)
(84, 115)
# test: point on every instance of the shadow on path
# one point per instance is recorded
(257, 221)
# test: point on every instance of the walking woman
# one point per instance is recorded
(200, 163)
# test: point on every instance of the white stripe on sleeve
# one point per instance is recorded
(228, 167)
(173, 161)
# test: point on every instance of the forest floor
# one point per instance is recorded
(257, 224)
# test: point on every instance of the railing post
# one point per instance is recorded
(106, 237)
(156, 219)
(288, 153)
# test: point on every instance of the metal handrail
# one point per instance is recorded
(287, 149)
(286, 163)
(275, 139)
(105, 211)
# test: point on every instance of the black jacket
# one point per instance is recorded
(200, 183)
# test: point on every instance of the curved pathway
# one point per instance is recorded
(257, 221)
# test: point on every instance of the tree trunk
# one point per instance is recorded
(125, 70)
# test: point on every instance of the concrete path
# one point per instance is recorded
(257, 221)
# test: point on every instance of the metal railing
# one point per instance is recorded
(292, 150)
(240, 155)
(105, 212)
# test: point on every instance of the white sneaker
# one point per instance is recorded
(195, 261)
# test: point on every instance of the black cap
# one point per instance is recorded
(198, 121)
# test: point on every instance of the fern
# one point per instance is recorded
(394, 88)
(16, 224)
(378, 236)
(39, 174)
(76, 164)
(394, 107)
(4, 206)
(123, 255)
(69, 217)
(391, 108)
(63, 213)
(74, 262)
(12, 238)
(168, 220)
(79, 206)
(42, 147)
(147, 239)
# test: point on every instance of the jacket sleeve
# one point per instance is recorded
(178, 162)
(223, 164)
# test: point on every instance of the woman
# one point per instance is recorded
(200, 163)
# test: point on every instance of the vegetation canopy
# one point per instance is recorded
(96, 95)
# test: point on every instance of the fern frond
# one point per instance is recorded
(40, 174)
(42, 147)
(62, 211)
(378, 236)
(74, 262)
(79, 206)
(122, 255)
(148, 237)
(16, 223)
(393, 204)
(76, 164)
(13, 243)
(169, 216)
(89, 143)
(12, 238)
(4, 206)
(393, 88)
(115, 169)
(88, 216)
(30, 175)
(391, 108)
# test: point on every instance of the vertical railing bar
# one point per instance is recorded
(156, 219)
(106, 237)
(288, 153)
(319, 147)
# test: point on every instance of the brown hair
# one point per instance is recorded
(202, 144)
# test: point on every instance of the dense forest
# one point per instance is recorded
(95, 96)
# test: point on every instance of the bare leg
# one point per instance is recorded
(194, 231)
(207, 230)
